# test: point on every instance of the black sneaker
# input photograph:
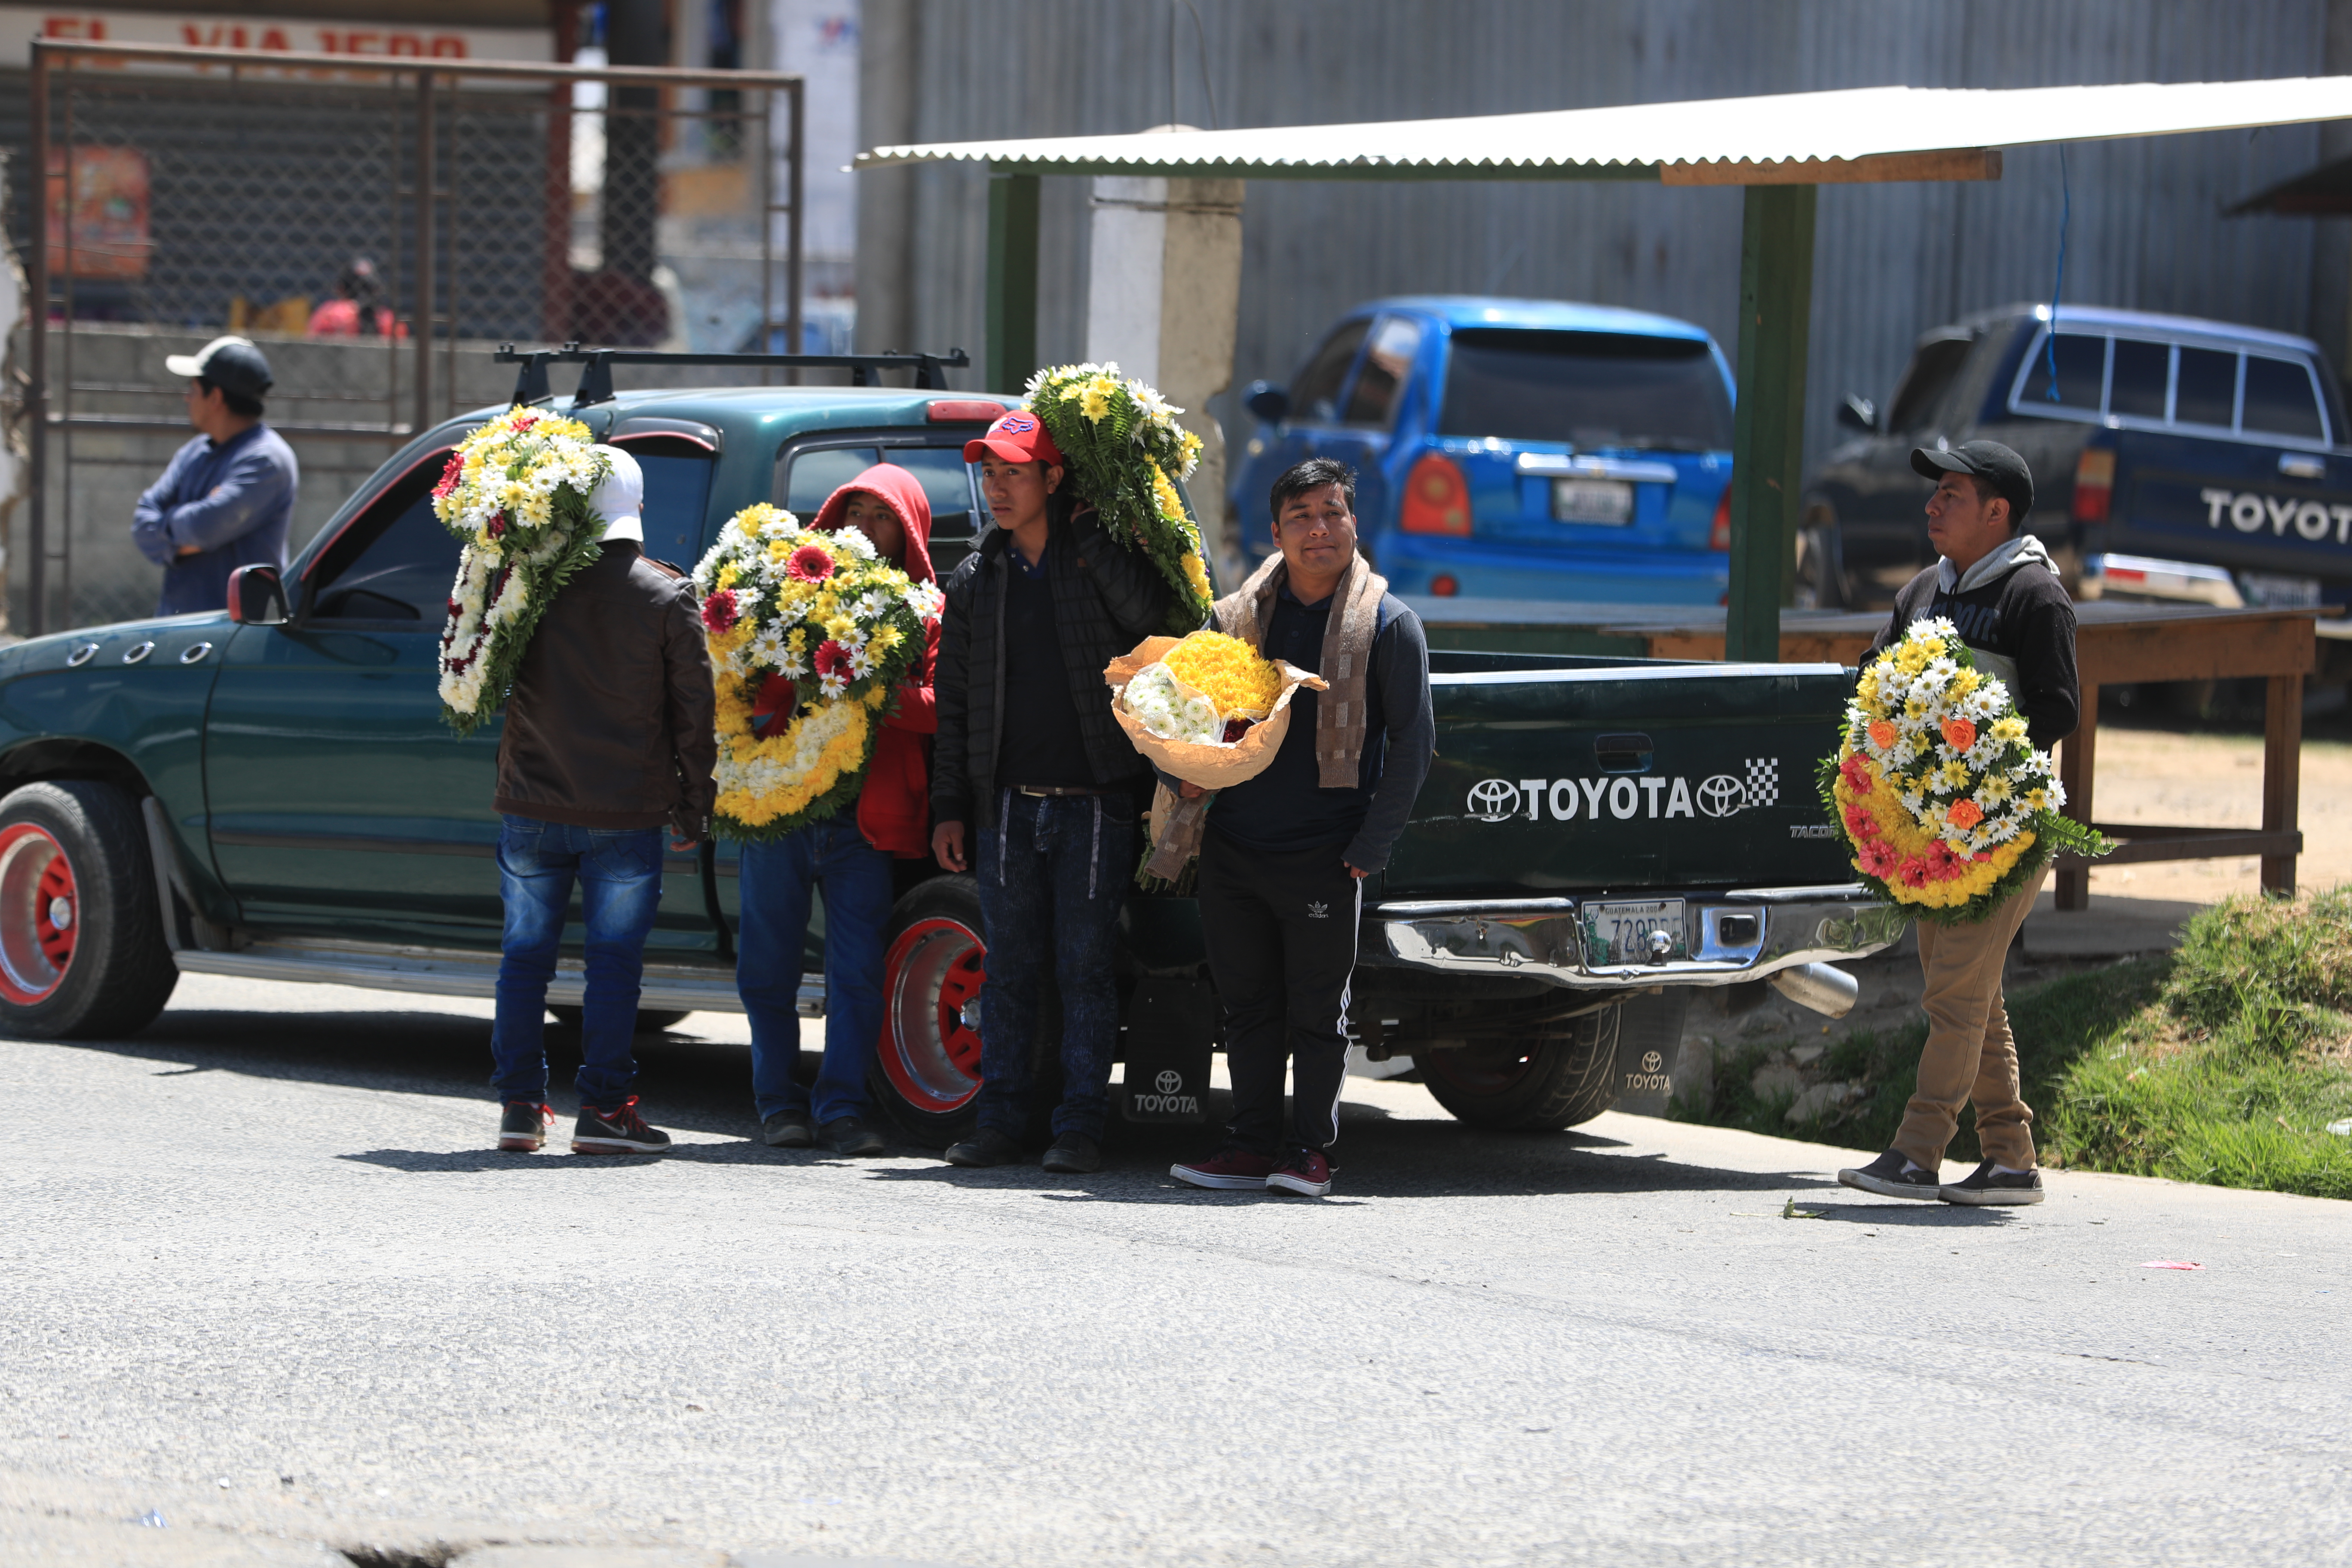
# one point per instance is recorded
(847, 1135)
(787, 1130)
(985, 1147)
(1074, 1154)
(1986, 1187)
(1892, 1175)
(616, 1129)
(524, 1126)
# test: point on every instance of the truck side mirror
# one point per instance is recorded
(256, 596)
(1858, 414)
(1268, 401)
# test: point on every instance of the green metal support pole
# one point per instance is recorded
(1013, 204)
(1768, 439)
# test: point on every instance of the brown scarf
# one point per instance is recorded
(1342, 717)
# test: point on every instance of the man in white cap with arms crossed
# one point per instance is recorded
(609, 736)
(226, 498)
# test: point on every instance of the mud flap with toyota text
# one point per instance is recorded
(1649, 1036)
(1171, 1025)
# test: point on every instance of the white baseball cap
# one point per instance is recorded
(620, 500)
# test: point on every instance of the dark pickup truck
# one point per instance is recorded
(271, 794)
(2173, 458)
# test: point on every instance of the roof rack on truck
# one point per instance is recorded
(596, 377)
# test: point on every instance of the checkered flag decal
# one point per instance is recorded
(1763, 782)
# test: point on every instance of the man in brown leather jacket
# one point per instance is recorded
(609, 736)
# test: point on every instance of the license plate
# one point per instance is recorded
(1620, 933)
(2276, 592)
(1607, 501)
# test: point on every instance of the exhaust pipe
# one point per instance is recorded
(1826, 990)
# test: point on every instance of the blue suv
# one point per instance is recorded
(1514, 449)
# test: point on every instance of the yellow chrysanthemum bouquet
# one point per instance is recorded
(1125, 453)
(829, 629)
(516, 490)
(1204, 708)
(1946, 806)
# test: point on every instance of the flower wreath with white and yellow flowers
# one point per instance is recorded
(516, 492)
(1946, 806)
(1126, 452)
(827, 614)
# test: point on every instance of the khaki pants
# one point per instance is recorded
(1971, 1055)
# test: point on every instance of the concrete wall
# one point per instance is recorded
(1892, 260)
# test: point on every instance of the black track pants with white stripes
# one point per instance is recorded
(1281, 934)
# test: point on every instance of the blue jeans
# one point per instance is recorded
(619, 872)
(1053, 873)
(775, 885)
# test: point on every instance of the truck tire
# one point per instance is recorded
(650, 1020)
(82, 954)
(925, 1071)
(1566, 1075)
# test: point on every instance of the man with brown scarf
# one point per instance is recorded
(1282, 856)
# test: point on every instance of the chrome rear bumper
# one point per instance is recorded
(1744, 934)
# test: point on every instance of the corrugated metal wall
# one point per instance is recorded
(1892, 260)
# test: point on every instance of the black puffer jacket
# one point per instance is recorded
(610, 725)
(1106, 600)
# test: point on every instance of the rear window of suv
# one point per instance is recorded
(2149, 383)
(1590, 389)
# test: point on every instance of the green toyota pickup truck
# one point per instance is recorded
(268, 791)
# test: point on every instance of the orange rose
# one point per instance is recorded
(1964, 813)
(1959, 734)
(1881, 735)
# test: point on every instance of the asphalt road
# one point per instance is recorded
(262, 1277)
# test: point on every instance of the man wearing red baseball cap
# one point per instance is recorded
(1034, 788)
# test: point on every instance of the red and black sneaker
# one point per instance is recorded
(1232, 1168)
(618, 1131)
(524, 1127)
(1303, 1171)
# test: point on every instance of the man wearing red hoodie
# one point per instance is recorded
(849, 857)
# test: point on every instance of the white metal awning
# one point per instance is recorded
(1855, 134)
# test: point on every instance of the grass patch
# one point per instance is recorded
(2222, 1062)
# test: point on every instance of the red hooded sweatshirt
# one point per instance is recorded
(894, 805)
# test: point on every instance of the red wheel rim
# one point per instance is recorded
(40, 913)
(1480, 1070)
(930, 1035)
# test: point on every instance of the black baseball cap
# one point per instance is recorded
(1988, 460)
(233, 364)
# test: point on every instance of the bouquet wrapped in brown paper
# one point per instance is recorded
(1204, 708)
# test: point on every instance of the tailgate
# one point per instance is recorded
(2256, 506)
(1627, 777)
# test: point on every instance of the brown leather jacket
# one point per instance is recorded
(610, 725)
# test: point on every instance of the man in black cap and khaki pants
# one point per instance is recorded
(1995, 584)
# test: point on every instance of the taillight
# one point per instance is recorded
(2094, 484)
(1436, 499)
(1444, 585)
(1719, 533)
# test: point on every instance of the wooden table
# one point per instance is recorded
(2116, 643)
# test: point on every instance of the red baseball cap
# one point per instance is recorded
(1017, 438)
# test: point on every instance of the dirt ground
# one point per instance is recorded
(2215, 780)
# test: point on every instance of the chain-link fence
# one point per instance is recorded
(167, 195)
